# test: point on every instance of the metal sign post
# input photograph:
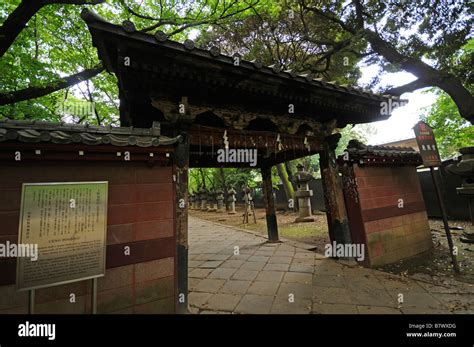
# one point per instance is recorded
(31, 301)
(94, 296)
(430, 156)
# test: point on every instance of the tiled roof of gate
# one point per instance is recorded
(366, 154)
(65, 133)
(161, 38)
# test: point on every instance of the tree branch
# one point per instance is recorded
(445, 81)
(18, 19)
(136, 14)
(36, 92)
(158, 24)
(330, 16)
(208, 21)
(359, 14)
(338, 46)
(409, 87)
(71, 2)
(427, 75)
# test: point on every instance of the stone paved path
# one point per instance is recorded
(284, 278)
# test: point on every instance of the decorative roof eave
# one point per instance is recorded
(127, 30)
(63, 133)
(361, 154)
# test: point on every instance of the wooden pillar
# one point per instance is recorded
(180, 173)
(182, 201)
(338, 223)
(272, 225)
(181, 167)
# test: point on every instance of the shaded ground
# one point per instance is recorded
(314, 233)
(285, 277)
(434, 266)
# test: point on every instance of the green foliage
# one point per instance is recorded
(56, 43)
(233, 177)
(361, 132)
(277, 35)
(451, 130)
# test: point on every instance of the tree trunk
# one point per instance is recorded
(290, 173)
(291, 178)
(203, 177)
(16, 22)
(224, 185)
(287, 186)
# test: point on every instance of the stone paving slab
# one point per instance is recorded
(223, 302)
(334, 308)
(270, 276)
(255, 304)
(293, 292)
(276, 267)
(286, 278)
(377, 310)
(328, 281)
(248, 275)
(283, 306)
(263, 288)
(235, 287)
(222, 273)
(297, 267)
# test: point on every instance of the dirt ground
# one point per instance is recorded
(435, 265)
(438, 261)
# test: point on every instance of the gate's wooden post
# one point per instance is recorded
(333, 194)
(181, 175)
(272, 225)
(180, 170)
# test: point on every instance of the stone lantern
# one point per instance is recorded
(231, 199)
(203, 199)
(249, 207)
(191, 200)
(304, 195)
(465, 169)
(197, 200)
(212, 201)
(220, 200)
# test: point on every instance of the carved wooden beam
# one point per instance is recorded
(239, 118)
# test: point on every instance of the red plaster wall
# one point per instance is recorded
(140, 215)
(390, 233)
